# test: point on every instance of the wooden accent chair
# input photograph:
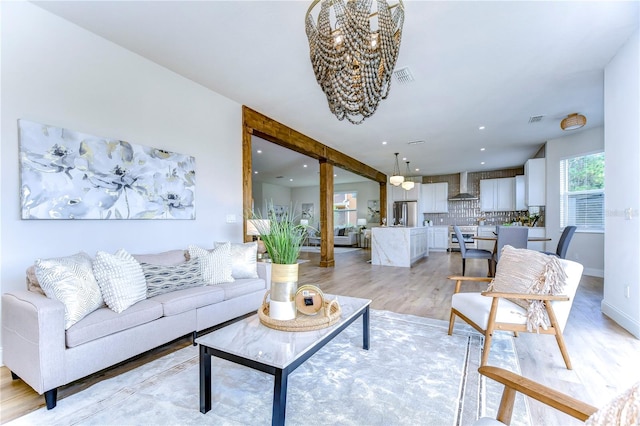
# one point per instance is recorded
(490, 311)
(514, 383)
(624, 409)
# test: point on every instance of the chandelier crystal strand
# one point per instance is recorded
(353, 64)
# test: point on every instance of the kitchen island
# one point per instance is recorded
(398, 246)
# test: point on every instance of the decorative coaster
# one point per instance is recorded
(309, 299)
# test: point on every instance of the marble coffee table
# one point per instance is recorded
(252, 344)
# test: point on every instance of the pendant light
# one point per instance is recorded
(408, 184)
(396, 179)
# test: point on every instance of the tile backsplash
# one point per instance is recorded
(468, 212)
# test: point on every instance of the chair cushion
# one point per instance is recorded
(71, 281)
(476, 307)
(477, 254)
(532, 272)
(104, 322)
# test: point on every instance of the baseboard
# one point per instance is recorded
(592, 272)
(625, 321)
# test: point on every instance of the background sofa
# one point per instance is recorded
(39, 350)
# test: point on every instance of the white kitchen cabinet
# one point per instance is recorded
(520, 193)
(535, 181)
(398, 193)
(435, 197)
(497, 195)
(419, 244)
(438, 237)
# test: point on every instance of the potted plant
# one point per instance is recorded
(282, 236)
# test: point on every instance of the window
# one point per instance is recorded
(345, 208)
(582, 192)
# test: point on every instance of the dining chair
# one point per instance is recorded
(563, 244)
(501, 310)
(471, 253)
(515, 236)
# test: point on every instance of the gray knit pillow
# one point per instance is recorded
(70, 280)
(166, 278)
(120, 278)
(215, 264)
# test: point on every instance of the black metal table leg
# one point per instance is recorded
(365, 329)
(279, 397)
(205, 380)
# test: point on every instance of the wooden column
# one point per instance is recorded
(326, 214)
(383, 201)
(247, 180)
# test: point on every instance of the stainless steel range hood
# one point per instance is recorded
(463, 195)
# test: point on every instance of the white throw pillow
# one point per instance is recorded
(120, 278)
(70, 280)
(243, 259)
(215, 264)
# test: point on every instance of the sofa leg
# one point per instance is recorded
(194, 336)
(51, 398)
(14, 376)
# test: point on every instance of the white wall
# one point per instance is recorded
(56, 73)
(622, 180)
(276, 194)
(586, 248)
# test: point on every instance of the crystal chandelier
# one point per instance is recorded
(353, 62)
(408, 184)
(396, 179)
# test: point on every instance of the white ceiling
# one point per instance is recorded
(475, 63)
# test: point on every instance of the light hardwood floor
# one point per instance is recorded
(604, 355)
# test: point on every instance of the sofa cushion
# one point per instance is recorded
(172, 257)
(243, 259)
(242, 287)
(180, 301)
(215, 264)
(120, 278)
(104, 322)
(71, 281)
(165, 278)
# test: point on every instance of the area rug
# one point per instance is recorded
(413, 374)
(336, 250)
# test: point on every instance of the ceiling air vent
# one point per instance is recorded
(419, 142)
(403, 75)
(535, 119)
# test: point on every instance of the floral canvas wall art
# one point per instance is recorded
(71, 175)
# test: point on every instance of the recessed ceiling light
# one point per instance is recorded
(482, 163)
(304, 165)
(384, 142)
(417, 170)
(290, 180)
(259, 151)
(481, 128)
(255, 173)
(335, 175)
(481, 149)
(404, 158)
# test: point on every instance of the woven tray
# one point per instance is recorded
(325, 318)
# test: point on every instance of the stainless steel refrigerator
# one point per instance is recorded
(405, 213)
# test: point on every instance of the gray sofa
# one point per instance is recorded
(38, 349)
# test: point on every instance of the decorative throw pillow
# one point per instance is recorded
(529, 271)
(120, 278)
(166, 278)
(215, 265)
(243, 260)
(622, 410)
(71, 281)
